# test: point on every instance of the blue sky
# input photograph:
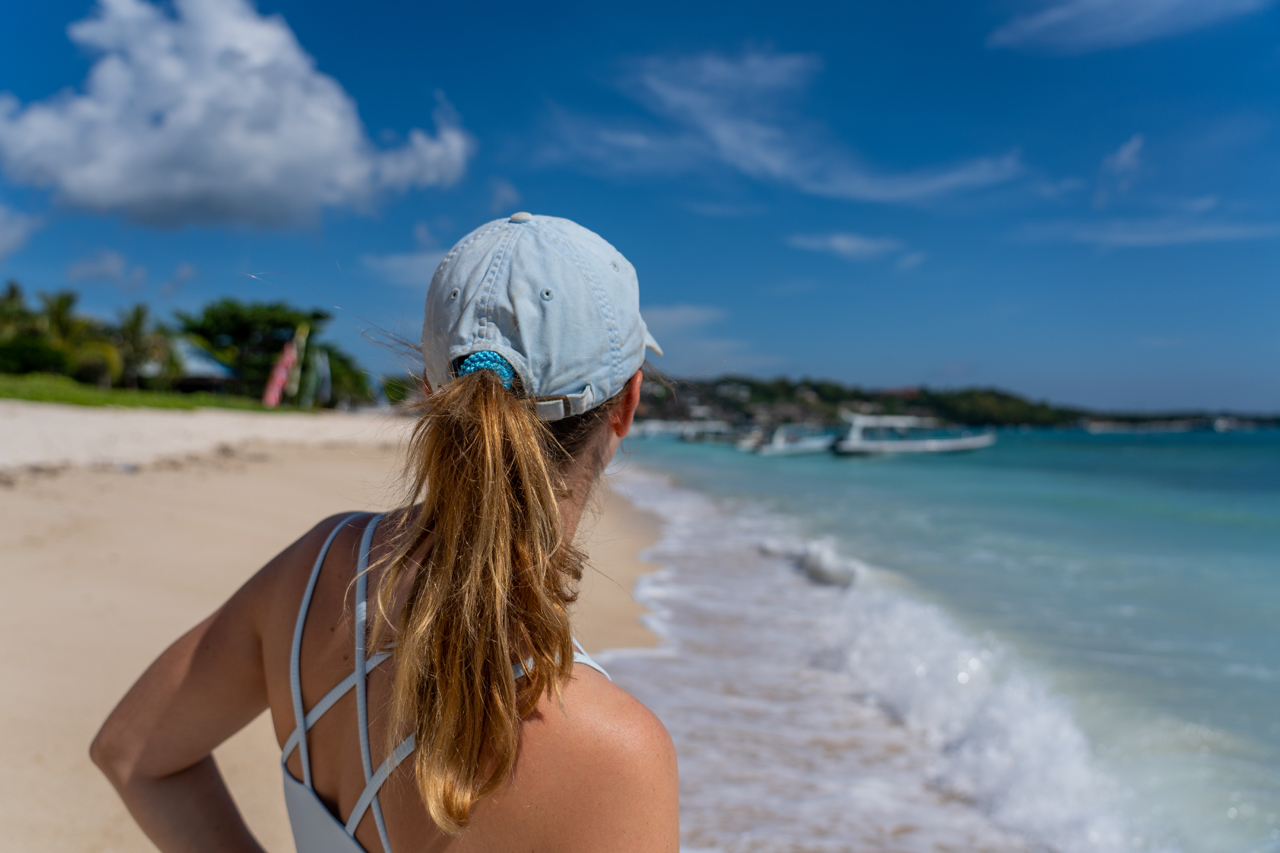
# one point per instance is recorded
(1073, 199)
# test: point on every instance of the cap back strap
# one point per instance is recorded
(564, 405)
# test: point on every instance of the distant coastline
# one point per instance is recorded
(740, 402)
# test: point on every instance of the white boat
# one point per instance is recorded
(795, 439)
(749, 442)
(904, 434)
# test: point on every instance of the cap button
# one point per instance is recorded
(520, 217)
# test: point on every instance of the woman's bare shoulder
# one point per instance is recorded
(606, 763)
(281, 581)
(293, 565)
(609, 718)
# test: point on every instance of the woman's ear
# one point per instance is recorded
(620, 420)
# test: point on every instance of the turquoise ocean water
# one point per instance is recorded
(1077, 637)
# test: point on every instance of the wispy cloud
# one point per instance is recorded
(504, 196)
(1152, 233)
(1126, 159)
(209, 114)
(1119, 170)
(680, 318)
(182, 274)
(408, 269)
(691, 346)
(108, 265)
(741, 113)
(911, 260)
(15, 228)
(855, 247)
(1080, 26)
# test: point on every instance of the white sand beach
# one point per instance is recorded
(121, 528)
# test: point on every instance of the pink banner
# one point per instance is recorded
(279, 375)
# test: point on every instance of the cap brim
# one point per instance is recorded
(651, 344)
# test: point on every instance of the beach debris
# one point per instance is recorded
(817, 558)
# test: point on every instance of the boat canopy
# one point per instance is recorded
(888, 421)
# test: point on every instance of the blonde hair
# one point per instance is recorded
(489, 577)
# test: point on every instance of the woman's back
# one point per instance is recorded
(532, 348)
(564, 786)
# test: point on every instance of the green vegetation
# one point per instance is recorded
(52, 352)
(399, 388)
(740, 400)
(249, 336)
(47, 388)
(982, 406)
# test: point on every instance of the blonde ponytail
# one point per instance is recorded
(489, 579)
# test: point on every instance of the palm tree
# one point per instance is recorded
(15, 317)
(61, 323)
(92, 357)
(137, 345)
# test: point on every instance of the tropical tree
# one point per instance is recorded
(250, 335)
(24, 348)
(15, 317)
(350, 383)
(138, 343)
(90, 355)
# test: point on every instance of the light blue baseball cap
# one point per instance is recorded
(552, 298)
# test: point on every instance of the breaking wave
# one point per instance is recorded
(818, 706)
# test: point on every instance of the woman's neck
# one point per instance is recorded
(578, 483)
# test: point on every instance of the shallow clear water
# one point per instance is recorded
(1074, 635)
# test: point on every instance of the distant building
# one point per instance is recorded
(197, 369)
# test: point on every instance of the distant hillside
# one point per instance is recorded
(741, 400)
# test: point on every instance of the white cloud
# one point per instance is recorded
(505, 196)
(1200, 204)
(911, 261)
(422, 235)
(408, 269)
(1153, 233)
(1126, 159)
(1119, 170)
(1080, 26)
(852, 246)
(740, 113)
(211, 114)
(108, 265)
(15, 228)
(674, 319)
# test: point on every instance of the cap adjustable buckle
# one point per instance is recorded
(559, 406)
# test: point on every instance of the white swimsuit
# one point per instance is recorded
(315, 828)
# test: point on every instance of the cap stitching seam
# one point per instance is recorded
(489, 288)
(602, 302)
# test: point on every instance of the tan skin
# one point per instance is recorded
(598, 774)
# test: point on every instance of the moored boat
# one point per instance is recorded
(796, 439)
(873, 434)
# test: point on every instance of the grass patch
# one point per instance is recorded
(48, 388)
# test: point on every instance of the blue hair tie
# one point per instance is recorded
(488, 360)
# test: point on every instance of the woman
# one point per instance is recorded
(451, 708)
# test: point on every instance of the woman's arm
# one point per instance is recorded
(156, 746)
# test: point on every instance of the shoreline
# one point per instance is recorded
(141, 545)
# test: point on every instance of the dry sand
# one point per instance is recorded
(49, 435)
(103, 567)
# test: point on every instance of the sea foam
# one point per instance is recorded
(845, 713)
